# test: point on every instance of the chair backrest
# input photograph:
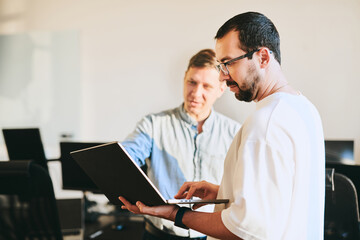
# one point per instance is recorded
(341, 208)
(28, 207)
(350, 171)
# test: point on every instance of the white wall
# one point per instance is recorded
(134, 54)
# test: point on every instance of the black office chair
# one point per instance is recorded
(341, 208)
(28, 207)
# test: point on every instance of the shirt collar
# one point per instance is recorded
(187, 118)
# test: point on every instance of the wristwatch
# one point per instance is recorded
(179, 216)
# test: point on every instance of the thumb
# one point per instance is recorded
(197, 205)
(140, 205)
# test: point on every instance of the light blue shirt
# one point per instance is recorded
(175, 152)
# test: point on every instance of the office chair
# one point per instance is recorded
(341, 208)
(28, 207)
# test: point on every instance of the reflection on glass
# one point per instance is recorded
(339, 151)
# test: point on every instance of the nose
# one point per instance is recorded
(223, 76)
(197, 91)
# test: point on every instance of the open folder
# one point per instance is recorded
(116, 174)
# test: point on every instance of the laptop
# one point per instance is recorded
(116, 174)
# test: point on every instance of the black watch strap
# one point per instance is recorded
(179, 217)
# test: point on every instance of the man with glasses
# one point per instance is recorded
(187, 143)
(274, 169)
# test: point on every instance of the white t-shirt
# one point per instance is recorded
(274, 173)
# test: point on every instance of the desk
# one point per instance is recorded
(105, 227)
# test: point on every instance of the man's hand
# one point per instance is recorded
(164, 211)
(203, 190)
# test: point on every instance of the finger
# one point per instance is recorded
(144, 209)
(191, 191)
(182, 191)
(198, 205)
(180, 195)
(129, 206)
(140, 206)
(124, 201)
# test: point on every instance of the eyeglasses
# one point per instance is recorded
(223, 66)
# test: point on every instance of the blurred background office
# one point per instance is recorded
(87, 70)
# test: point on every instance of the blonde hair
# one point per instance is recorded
(204, 58)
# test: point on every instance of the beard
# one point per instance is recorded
(248, 90)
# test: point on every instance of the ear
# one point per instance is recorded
(265, 57)
(185, 75)
(222, 88)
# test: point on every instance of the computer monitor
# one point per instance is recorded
(73, 177)
(338, 151)
(25, 144)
